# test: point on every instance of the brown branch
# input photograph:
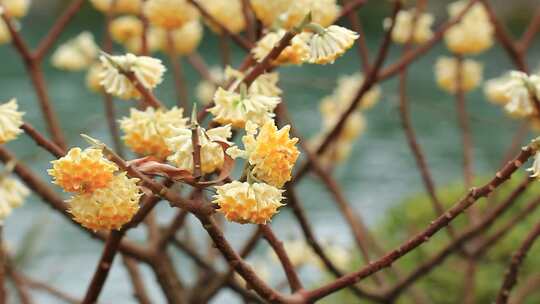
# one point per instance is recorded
(139, 289)
(35, 284)
(179, 78)
(279, 249)
(350, 8)
(39, 139)
(472, 196)
(356, 26)
(198, 63)
(22, 291)
(528, 36)
(510, 278)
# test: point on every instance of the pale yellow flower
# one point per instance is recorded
(271, 153)
(5, 36)
(520, 90)
(148, 71)
(186, 39)
(124, 28)
(323, 12)
(93, 78)
(76, 54)
(446, 72)
(82, 171)
(227, 12)
(248, 203)
(473, 34)
(495, 90)
(212, 155)
(119, 7)
(299, 253)
(205, 89)
(10, 121)
(107, 208)
(237, 109)
(265, 84)
(347, 87)
(145, 131)
(535, 169)
(155, 41)
(169, 14)
(296, 53)
(269, 11)
(330, 43)
(16, 8)
(12, 195)
(401, 32)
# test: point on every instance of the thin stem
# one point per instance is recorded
(510, 278)
(40, 285)
(529, 34)
(139, 289)
(356, 26)
(179, 78)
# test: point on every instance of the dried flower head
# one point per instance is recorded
(169, 14)
(226, 12)
(238, 108)
(109, 207)
(16, 8)
(76, 54)
(520, 90)
(124, 28)
(212, 155)
(446, 72)
(473, 34)
(145, 131)
(248, 203)
(186, 39)
(327, 44)
(271, 153)
(10, 121)
(118, 6)
(12, 195)
(148, 71)
(82, 171)
(403, 29)
(296, 53)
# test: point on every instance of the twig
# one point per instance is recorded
(179, 79)
(510, 278)
(139, 290)
(35, 284)
(363, 50)
(529, 34)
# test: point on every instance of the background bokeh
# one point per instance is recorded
(380, 173)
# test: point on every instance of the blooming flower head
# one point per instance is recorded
(403, 29)
(123, 28)
(109, 207)
(248, 203)
(271, 153)
(93, 78)
(82, 171)
(76, 54)
(155, 40)
(347, 87)
(206, 88)
(269, 11)
(169, 14)
(296, 53)
(226, 12)
(5, 36)
(16, 8)
(186, 38)
(323, 12)
(535, 169)
(145, 131)
(118, 6)
(495, 90)
(212, 155)
(10, 121)
(238, 108)
(330, 43)
(446, 72)
(12, 195)
(520, 90)
(148, 71)
(265, 84)
(473, 34)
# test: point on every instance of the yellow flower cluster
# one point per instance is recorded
(125, 28)
(12, 195)
(495, 90)
(243, 203)
(296, 53)
(82, 171)
(520, 91)
(16, 8)
(147, 70)
(145, 131)
(473, 34)
(10, 121)
(109, 207)
(76, 54)
(212, 155)
(118, 6)
(169, 14)
(205, 89)
(186, 38)
(5, 36)
(446, 72)
(226, 12)
(104, 198)
(403, 29)
(330, 43)
(288, 14)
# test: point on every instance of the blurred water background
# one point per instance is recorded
(379, 174)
